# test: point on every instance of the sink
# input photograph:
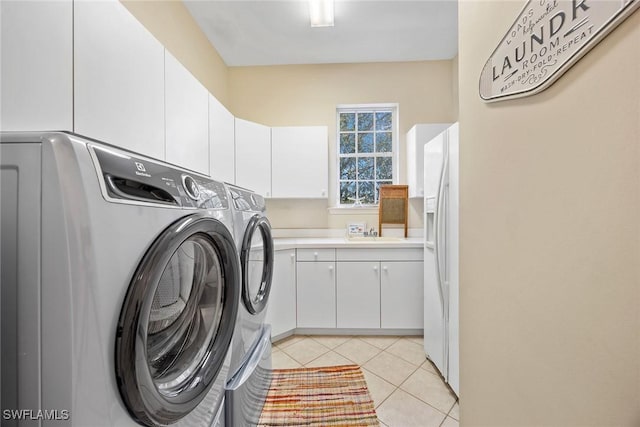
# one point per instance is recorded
(375, 239)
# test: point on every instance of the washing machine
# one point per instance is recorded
(251, 346)
(120, 287)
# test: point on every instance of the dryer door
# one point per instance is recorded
(177, 321)
(256, 258)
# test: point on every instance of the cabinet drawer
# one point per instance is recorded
(316, 254)
(382, 254)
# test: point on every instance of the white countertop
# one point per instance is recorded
(342, 242)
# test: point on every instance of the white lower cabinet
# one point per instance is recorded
(316, 296)
(281, 311)
(401, 294)
(358, 294)
(377, 288)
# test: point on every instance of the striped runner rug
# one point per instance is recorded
(326, 396)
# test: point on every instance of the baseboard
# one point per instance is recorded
(350, 331)
(282, 336)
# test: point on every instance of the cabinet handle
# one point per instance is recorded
(375, 268)
(293, 257)
(324, 192)
(315, 254)
(384, 268)
(331, 268)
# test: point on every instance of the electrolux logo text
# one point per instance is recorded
(36, 414)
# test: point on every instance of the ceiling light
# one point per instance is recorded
(321, 13)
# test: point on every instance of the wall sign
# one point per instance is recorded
(548, 37)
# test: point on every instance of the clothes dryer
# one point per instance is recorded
(120, 286)
(251, 347)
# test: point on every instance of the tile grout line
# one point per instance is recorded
(424, 401)
(305, 364)
(419, 399)
(395, 388)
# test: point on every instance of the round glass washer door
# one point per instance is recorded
(256, 258)
(177, 321)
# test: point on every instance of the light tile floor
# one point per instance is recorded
(405, 387)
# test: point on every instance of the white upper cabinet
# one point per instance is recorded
(222, 156)
(253, 156)
(36, 50)
(299, 162)
(118, 77)
(187, 118)
(417, 137)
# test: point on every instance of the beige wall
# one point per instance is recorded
(172, 24)
(297, 95)
(550, 237)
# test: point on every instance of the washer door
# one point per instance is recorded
(177, 321)
(256, 257)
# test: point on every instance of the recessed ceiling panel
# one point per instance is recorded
(277, 32)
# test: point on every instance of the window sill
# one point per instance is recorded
(352, 210)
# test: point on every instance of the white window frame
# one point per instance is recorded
(395, 150)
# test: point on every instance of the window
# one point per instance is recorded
(366, 147)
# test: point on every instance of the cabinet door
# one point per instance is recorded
(186, 119)
(37, 66)
(316, 295)
(281, 311)
(358, 294)
(401, 290)
(253, 156)
(222, 156)
(118, 78)
(299, 162)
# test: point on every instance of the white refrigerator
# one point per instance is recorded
(441, 206)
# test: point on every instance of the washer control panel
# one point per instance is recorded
(246, 200)
(127, 178)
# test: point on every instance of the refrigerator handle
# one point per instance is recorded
(441, 243)
(438, 234)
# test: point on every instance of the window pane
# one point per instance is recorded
(383, 142)
(384, 168)
(347, 121)
(365, 168)
(366, 192)
(348, 168)
(383, 121)
(378, 184)
(365, 139)
(365, 121)
(347, 143)
(347, 192)
(365, 142)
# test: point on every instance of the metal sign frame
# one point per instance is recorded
(547, 38)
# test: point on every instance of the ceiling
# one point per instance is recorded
(277, 32)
